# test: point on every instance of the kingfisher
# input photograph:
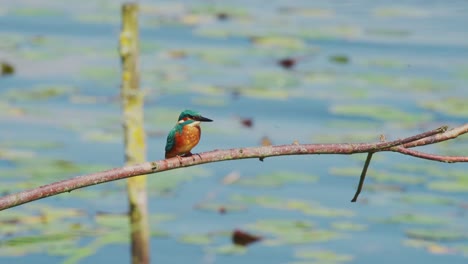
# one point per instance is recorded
(185, 135)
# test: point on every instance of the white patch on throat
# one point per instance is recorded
(196, 123)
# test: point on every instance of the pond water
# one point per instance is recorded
(359, 69)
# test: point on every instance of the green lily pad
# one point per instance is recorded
(223, 56)
(413, 218)
(19, 246)
(308, 208)
(277, 179)
(403, 83)
(113, 221)
(436, 234)
(286, 231)
(264, 93)
(339, 59)
(322, 256)
(388, 32)
(196, 239)
(348, 226)
(46, 168)
(460, 185)
(453, 106)
(103, 136)
(427, 199)
(279, 42)
(271, 80)
(36, 12)
(38, 93)
(400, 11)
(308, 11)
(346, 171)
(230, 250)
(14, 155)
(99, 74)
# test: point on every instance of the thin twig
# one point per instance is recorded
(450, 134)
(422, 155)
(363, 176)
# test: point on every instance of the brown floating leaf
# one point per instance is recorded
(246, 122)
(287, 63)
(222, 210)
(242, 238)
(6, 68)
(222, 16)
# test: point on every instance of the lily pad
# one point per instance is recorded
(38, 93)
(339, 59)
(400, 11)
(322, 256)
(113, 221)
(271, 80)
(37, 12)
(452, 106)
(348, 226)
(287, 231)
(413, 218)
(196, 239)
(388, 32)
(347, 171)
(308, 208)
(279, 42)
(460, 185)
(436, 234)
(427, 199)
(230, 250)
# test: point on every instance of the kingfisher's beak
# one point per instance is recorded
(202, 119)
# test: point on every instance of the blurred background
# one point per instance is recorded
(266, 72)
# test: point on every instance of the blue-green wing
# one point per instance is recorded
(170, 140)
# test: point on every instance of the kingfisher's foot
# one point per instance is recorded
(189, 154)
(180, 159)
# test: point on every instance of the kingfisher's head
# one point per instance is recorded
(192, 115)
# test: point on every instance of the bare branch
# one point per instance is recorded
(422, 155)
(69, 185)
(450, 134)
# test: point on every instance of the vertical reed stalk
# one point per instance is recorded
(134, 136)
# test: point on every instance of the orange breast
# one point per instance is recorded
(185, 141)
